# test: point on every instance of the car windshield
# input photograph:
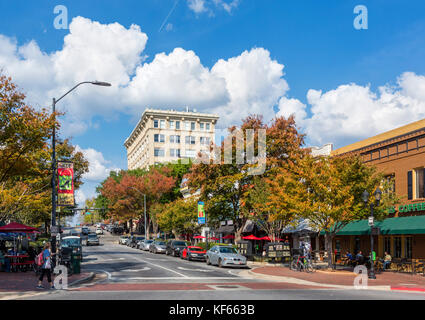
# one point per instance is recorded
(180, 243)
(139, 238)
(196, 249)
(92, 236)
(160, 243)
(227, 250)
(149, 241)
(124, 237)
(74, 242)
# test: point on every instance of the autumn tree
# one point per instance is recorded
(25, 158)
(331, 193)
(178, 217)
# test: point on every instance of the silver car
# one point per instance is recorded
(92, 239)
(157, 247)
(145, 244)
(225, 256)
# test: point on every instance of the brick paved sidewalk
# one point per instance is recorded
(27, 281)
(397, 281)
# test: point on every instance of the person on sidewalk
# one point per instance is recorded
(360, 258)
(387, 260)
(46, 267)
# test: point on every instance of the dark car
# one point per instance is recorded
(175, 247)
(194, 253)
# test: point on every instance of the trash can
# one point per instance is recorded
(75, 261)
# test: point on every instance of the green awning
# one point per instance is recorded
(389, 226)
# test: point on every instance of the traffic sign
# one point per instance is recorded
(371, 222)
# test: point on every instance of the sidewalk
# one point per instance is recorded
(24, 283)
(383, 281)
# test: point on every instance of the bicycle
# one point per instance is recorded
(302, 263)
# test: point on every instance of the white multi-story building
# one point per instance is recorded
(169, 135)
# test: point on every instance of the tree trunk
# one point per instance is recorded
(328, 245)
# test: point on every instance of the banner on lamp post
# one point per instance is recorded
(201, 213)
(66, 184)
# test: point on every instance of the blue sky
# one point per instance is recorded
(342, 84)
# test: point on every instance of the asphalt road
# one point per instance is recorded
(124, 273)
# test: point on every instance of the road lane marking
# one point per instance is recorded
(156, 259)
(175, 278)
(156, 265)
(201, 270)
(135, 270)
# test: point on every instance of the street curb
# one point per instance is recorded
(315, 284)
(79, 281)
(410, 289)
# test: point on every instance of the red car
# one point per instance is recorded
(193, 253)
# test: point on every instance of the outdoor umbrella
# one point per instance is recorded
(230, 236)
(17, 227)
(251, 237)
(214, 238)
(266, 238)
(198, 237)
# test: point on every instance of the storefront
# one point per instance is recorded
(400, 155)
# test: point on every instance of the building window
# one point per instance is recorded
(190, 140)
(419, 177)
(190, 153)
(192, 126)
(397, 247)
(187, 125)
(387, 245)
(172, 125)
(408, 247)
(409, 185)
(202, 126)
(159, 138)
(158, 152)
(205, 140)
(208, 126)
(175, 153)
(156, 123)
(162, 124)
(175, 139)
(178, 125)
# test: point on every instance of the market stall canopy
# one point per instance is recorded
(397, 225)
(251, 237)
(225, 229)
(17, 227)
(302, 227)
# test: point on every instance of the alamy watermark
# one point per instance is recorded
(61, 20)
(61, 280)
(361, 20)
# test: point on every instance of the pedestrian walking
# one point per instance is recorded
(46, 266)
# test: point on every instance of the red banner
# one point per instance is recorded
(65, 184)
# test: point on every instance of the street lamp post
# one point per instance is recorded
(53, 240)
(365, 196)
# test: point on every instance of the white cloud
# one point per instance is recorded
(248, 83)
(351, 112)
(208, 6)
(99, 168)
(197, 6)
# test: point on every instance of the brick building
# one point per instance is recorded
(400, 155)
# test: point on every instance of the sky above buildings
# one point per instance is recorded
(230, 57)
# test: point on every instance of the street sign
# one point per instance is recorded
(201, 213)
(371, 222)
(54, 230)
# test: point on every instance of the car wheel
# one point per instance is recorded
(219, 263)
(208, 261)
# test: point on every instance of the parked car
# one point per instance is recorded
(158, 247)
(194, 253)
(85, 230)
(132, 241)
(123, 240)
(224, 256)
(99, 231)
(175, 247)
(145, 244)
(92, 239)
(75, 243)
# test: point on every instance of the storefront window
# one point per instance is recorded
(397, 247)
(420, 192)
(408, 248)
(387, 245)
